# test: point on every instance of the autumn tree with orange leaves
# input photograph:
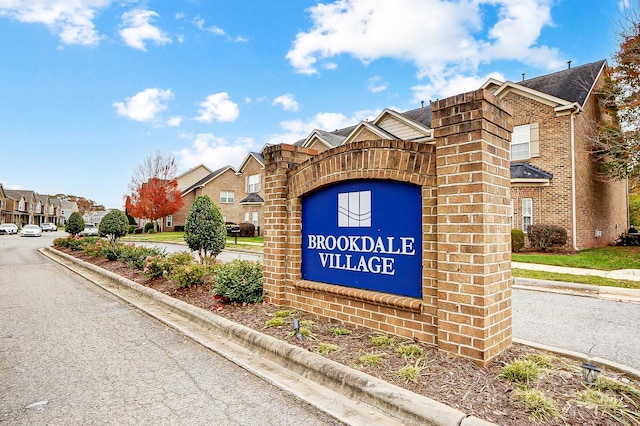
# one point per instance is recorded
(154, 192)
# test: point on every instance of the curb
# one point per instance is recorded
(346, 394)
(600, 292)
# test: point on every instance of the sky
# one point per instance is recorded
(90, 88)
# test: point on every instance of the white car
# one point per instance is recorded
(89, 231)
(8, 228)
(48, 226)
(31, 231)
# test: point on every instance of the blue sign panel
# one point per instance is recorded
(365, 234)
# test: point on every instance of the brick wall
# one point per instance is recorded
(465, 308)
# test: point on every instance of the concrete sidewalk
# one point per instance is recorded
(602, 292)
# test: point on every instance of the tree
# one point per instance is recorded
(154, 189)
(204, 229)
(75, 224)
(616, 140)
(114, 225)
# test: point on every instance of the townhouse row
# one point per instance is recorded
(554, 178)
(26, 207)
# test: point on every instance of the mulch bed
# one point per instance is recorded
(453, 381)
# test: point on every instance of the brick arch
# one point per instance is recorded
(375, 159)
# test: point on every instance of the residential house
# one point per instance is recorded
(554, 179)
(66, 208)
(5, 216)
(193, 175)
(94, 217)
(221, 186)
(251, 173)
(23, 205)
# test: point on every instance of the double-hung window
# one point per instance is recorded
(527, 213)
(253, 183)
(168, 221)
(227, 197)
(520, 142)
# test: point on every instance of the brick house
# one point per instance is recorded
(554, 179)
(251, 175)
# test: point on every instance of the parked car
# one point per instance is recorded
(8, 228)
(89, 231)
(31, 231)
(48, 226)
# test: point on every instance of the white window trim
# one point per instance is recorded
(255, 185)
(527, 209)
(168, 221)
(520, 138)
(226, 199)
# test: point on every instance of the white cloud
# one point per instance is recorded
(218, 107)
(212, 151)
(377, 84)
(287, 102)
(200, 23)
(443, 88)
(136, 29)
(440, 37)
(72, 21)
(145, 105)
(174, 121)
(294, 130)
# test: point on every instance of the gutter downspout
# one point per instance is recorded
(574, 237)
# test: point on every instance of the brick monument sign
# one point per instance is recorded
(407, 238)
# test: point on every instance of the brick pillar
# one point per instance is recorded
(472, 132)
(276, 222)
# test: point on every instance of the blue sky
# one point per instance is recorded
(89, 88)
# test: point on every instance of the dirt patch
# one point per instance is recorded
(453, 381)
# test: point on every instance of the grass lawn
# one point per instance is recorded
(578, 279)
(246, 243)
(605, 258)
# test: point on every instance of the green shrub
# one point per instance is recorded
(114, 225)
(240, 281)
(517, 240)
(112, 252)
(93, 249)
(151, 231)
(154, 266)
(131, 229)
(189, 275)
(544, 237)
(179, 258)
(204, 229)
(75, 224)
(148, 227)
(135, 257)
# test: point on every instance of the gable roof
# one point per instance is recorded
(329, 139)
(573, 84)
(193, 169)
(255, 155)
(252, 198)
(205, 180)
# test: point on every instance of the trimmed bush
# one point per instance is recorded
(136, 257)
(131, 229)
(544, 237)
(148, 227)
(178, 228)
(517, 240)
(240, 281)
(189, 275)
(75, 224)
(204, 229)
(114, 225)
(247, 230)
(137, 231)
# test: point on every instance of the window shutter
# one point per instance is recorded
(534, 144)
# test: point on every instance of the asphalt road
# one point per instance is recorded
(72, 354)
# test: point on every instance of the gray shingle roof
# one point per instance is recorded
(572, 84)
(205, 179)
(527, 171)
(252, 198)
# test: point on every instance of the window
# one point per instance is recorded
(168, 221)
(527, 213)
(253, 183)
(227, 197)
(520, 140)
(513, 221)
(246, 217)
(21, 206)
(254, 218)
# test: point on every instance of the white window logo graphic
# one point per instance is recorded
(354, 209)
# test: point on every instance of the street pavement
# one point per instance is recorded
(72, 354)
